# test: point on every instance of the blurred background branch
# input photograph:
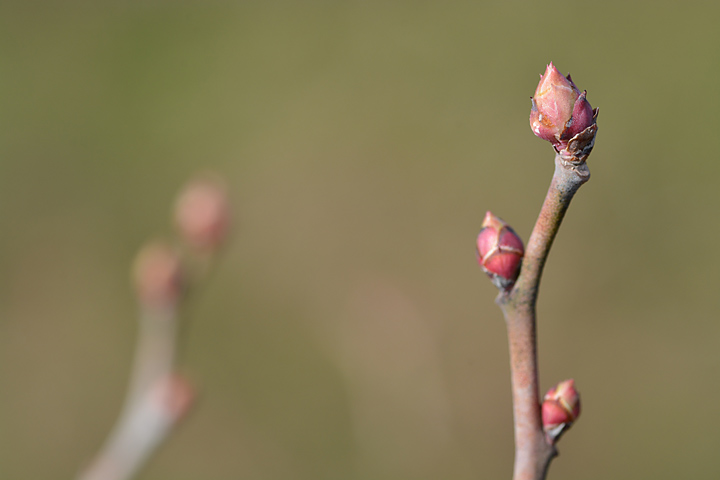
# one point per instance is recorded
(158, 397)
(363, 141)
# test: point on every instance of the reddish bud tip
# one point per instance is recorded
(157, 274)
(560, 408)
(202, 213)
(559, 111)
(500, 251)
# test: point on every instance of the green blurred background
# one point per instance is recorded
(348, 332)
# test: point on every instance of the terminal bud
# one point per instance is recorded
(562, 115)
(202, 213)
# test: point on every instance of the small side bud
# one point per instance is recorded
(560, 408)
(175, 394)
(158, 277)
(202, 213)
(500, 251)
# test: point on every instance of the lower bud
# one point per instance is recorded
(560, 408)
(500, 251)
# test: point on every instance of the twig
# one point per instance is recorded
(533, 451)
(158, 397)
(156, 400)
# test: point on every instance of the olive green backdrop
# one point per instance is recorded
(348, 333)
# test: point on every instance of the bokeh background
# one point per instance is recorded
(348, 332)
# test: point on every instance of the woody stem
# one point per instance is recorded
(533, 452)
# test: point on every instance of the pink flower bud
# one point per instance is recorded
(560, 408)
(500, 251)
(158, 277)
(202, 213)
(559, 110)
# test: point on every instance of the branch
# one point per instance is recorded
(157, 399)
(561, 115)
(533, 451)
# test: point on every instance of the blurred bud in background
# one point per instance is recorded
(158, 276)
(176, 395)
(500, 251)
(202, 213)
